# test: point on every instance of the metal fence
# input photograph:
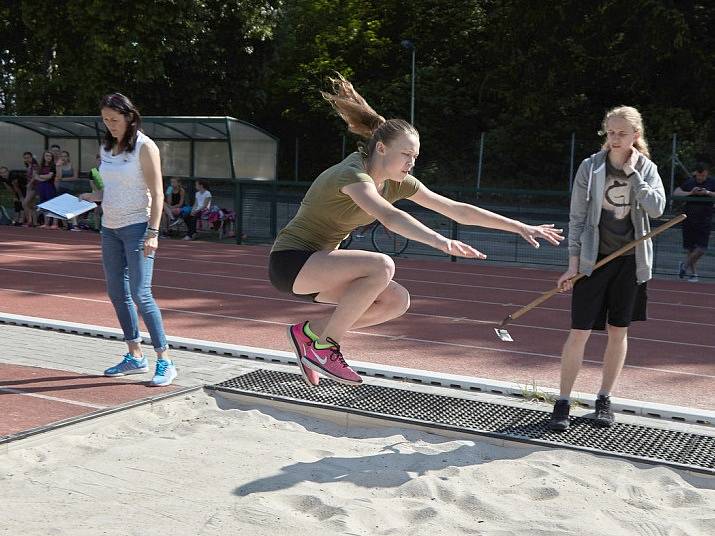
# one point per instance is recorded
(265, 208)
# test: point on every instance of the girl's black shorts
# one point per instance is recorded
(610, 295)
(283, 268)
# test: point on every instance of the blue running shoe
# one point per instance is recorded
(129, 365)
(164, 374)
(681, 270)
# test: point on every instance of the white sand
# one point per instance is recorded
(188, 467)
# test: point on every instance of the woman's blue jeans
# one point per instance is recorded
(128, 274)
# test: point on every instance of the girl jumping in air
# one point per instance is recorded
(305, 261)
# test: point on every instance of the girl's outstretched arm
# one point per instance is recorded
(366, 196)
(466, 214)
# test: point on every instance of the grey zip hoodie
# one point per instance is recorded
(586, 203)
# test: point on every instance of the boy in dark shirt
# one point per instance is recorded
(696, 228)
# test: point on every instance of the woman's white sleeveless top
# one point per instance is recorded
(126, 199)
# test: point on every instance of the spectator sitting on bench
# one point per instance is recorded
(202, 203)
(12, 187)
(177, 207)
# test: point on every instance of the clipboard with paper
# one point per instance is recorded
(67, 206)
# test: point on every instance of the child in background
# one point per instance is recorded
(202, 202)
(177, 207)
(28, 202)
(45, 186)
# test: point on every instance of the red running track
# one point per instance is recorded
(221, 292)
(33, 397)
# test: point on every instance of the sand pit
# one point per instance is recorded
(188, 466)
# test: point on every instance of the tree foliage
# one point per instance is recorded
(528, 74)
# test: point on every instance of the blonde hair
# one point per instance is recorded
(634, 118)
(361, 118)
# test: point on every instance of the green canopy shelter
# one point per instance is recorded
(194, 147)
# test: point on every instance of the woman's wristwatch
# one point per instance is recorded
(151, 232)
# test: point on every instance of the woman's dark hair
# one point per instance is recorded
(203, 183)
(361, 118)
(121, 104)
(51, 167)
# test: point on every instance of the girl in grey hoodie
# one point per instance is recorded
(615, 192)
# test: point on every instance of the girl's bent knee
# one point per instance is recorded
(385, 267)
(402, 299)
(396, 299)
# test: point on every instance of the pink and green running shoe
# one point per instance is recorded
(301, 341)
(330, 362)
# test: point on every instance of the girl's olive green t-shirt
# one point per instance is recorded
(327, 215)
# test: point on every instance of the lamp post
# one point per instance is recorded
(410, 45)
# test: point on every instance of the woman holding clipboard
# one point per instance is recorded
(132, 201)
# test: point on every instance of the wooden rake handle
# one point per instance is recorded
(546, 295)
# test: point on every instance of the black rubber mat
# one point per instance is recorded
(635, 442)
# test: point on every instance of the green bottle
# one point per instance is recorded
(97, 178)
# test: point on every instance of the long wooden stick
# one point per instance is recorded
(545, 296)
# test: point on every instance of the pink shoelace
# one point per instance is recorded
(335, 353)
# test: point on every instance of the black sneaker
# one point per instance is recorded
(560, 416)
(604, 414)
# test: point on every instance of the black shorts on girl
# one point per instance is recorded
(283, 268)
(610, 295)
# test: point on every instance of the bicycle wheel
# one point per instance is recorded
(387, 242)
